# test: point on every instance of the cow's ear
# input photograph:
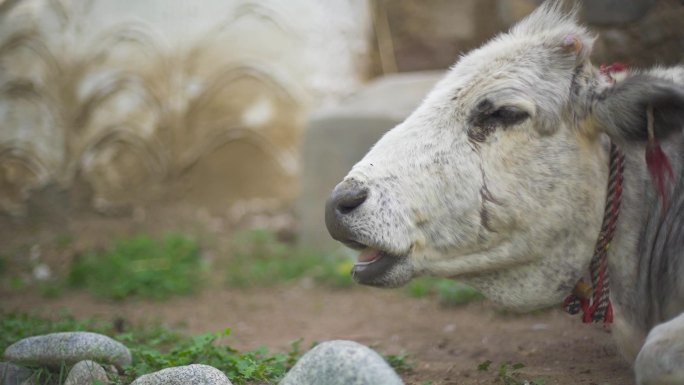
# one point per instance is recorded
(621, 112)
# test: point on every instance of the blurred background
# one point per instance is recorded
(136, 110)
(180, 114)
(155, 133)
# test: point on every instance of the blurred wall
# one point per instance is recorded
(118, 104)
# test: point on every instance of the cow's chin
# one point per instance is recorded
(381, 269)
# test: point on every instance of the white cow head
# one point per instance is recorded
(499, 177)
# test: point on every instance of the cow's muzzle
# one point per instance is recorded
(374, 267)
(346, 198)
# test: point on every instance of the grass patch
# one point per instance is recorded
(47, 377)
(155, 348)
(240, 367)
(260, 259)
(399, 362)
(509, 374)
(140, 266)
(64, 240)
(447, 291)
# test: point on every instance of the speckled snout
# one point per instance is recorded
(343, 202)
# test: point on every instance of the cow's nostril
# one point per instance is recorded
(345, 198)
(351, 200)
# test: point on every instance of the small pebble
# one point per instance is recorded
(86, 373)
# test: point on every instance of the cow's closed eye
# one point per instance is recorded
(507, 116)
(486, 114)
(486, 119)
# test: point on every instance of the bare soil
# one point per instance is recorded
(446, 345)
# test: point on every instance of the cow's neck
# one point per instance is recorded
(640, 301)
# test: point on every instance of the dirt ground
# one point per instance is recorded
(445, 344)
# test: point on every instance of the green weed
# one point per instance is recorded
(484, 366)
(447, 291)
(44, 376)
(260, 259)
(508, 374)
(140, 266)
(399, 362)
(154, 348)
(64, 240)
(51, 289)
(17, 283)
(256, 365)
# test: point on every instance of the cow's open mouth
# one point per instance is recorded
(374, 267)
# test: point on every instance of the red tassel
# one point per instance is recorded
(660, 169)
(608, 317)
(607, 69)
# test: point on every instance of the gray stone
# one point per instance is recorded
(341, 363)
(56, 349)
(604, 12)
(184, 375)
(86, 373)
(11, 374)
(340, 136)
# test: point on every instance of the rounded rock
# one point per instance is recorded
(196, 374)
(86, 373)
(57, 349)
(341, 363)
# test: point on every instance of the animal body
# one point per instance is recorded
(499, 179)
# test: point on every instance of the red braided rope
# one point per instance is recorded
(597, 307)
(594, 302)
(609, 69)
